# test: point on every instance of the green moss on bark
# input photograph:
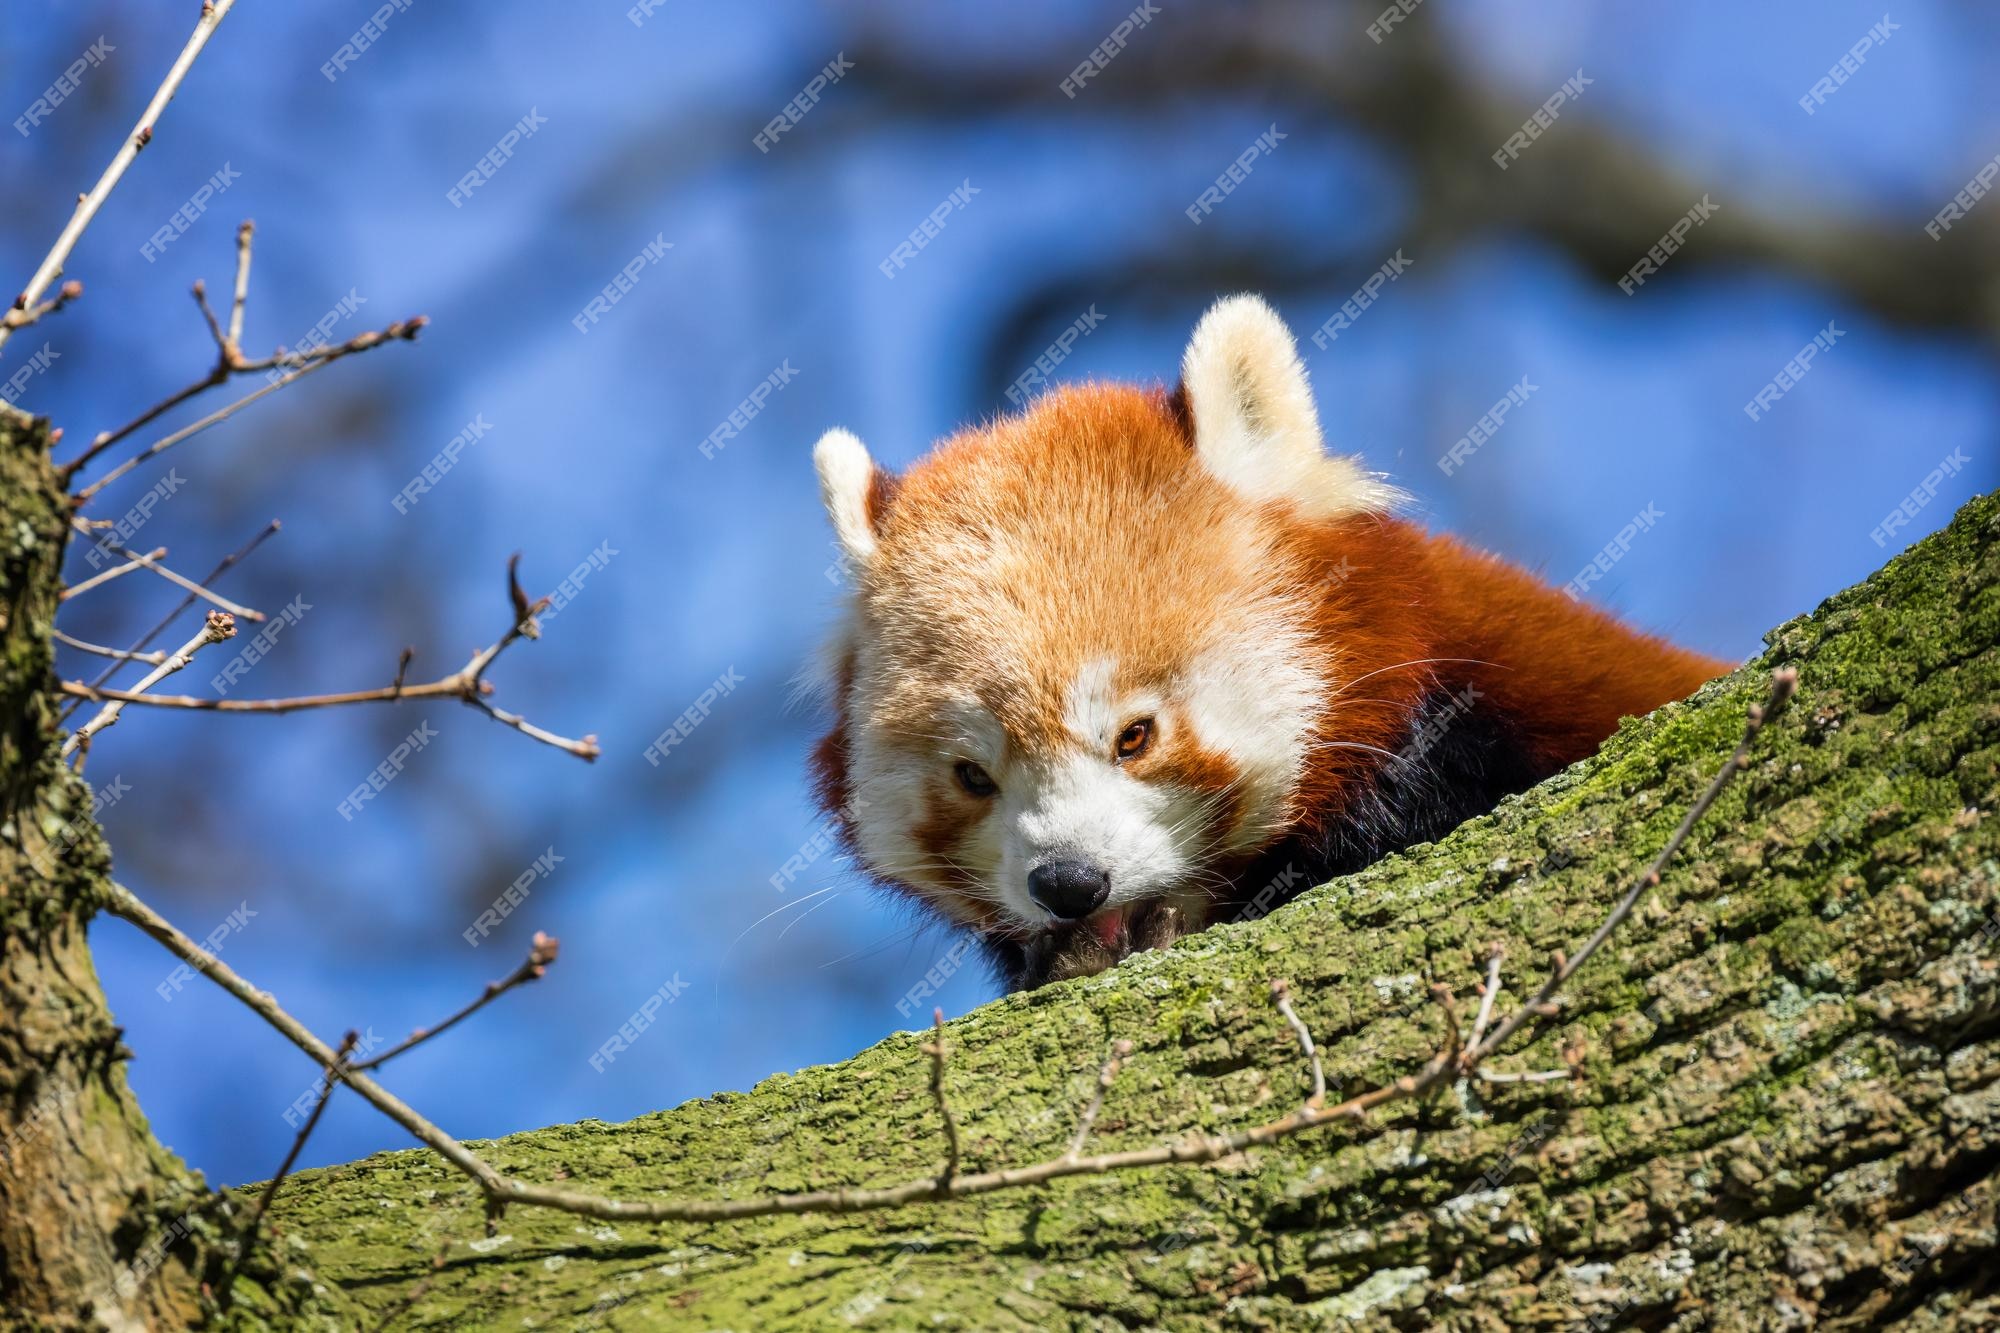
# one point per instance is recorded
(1793, 1066)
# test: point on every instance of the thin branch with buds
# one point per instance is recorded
(229, 360)
(404, 330)
(115, 654)
(1489, 991)
(541, 952)
(502, 1190)
(1784, 683)
(21, 318)
(51, 267)
(1454, 1046)
(326, 1086)
(1450, 1061)
(468, 685)
(1281, 995)
(1105, 1078)
(221, 625)
(222, 567)
(242, 293)
(152, 562)
(105, 576)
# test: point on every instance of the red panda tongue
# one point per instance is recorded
(1108, 926)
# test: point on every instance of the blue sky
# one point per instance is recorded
(719, 564)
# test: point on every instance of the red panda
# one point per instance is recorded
(1117, 663)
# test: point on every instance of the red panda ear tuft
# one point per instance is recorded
(854, 490)
(1255, 428)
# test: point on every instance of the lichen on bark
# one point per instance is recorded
(1789, 1115)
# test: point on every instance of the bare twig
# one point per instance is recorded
(214, 324)
(454, 686)
(938, 1050)
(1784, 682)
(525, 611)
(1538, 1076)
(222, 566)
(242, 294)
(326, 1087)
(1453, 1045)
(116, 654)
(105, 576)
(502, 1190)
(585, 747)
(20, 318)
(406, 330)
(1489, 991)
(1281, 995)
(152, 562)
(1105, 1077)
(541, 953)
(221, 625)
(229, 360)
(468, 685)
(212, 14)
(105, 439)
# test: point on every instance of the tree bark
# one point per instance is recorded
(1790, 1116)
(84, 1186)
(101, 1227)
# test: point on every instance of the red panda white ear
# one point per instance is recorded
(846, 479)
(1254, 424)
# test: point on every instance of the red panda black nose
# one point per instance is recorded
(1070, 889)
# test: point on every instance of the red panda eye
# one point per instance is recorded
(1132, 741)
(974, 779)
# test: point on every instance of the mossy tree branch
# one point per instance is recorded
(1791, 1099)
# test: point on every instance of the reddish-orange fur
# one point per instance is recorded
(1396, 601)
(1564, 672)
(1115, 541)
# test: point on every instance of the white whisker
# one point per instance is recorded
(803, 915)
(1415, 661)
(1357, 745)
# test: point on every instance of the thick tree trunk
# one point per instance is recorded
(85, 1189)
(100, 1226)
(1791, 1115)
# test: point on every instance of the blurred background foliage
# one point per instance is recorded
(724, 563)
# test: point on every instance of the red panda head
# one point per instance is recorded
(1079, 677)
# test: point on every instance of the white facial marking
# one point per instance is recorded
(1251, 698)
(884, 807)
(895, 786)
(1090, 718)
(1097, 713)
(1248, 695)
(1085, 808)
